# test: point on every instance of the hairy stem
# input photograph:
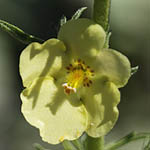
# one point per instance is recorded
(101, 11)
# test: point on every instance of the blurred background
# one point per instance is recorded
(130, 26)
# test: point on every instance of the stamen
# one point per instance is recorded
(78, 74)
(61, 139)
(79, 60)
(92, 71)
(68, 68)
(68, 89)
(90, 81)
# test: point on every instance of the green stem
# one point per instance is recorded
(39, 147)
(127, 139)
(101, 10)
(94, 143)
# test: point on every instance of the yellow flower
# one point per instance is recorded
(71, 83)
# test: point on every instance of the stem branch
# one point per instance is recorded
(127, 139)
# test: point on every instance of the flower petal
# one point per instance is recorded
(45, 106)
(83, 37)
(101, 104)
(41, 60)
(112, 65)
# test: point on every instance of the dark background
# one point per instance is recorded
(130, 26)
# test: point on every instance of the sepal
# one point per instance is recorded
(78, 13)
(134, 70)
(19, 34)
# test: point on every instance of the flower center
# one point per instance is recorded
(78, 74)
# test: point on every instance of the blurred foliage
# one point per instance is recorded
(130, 34)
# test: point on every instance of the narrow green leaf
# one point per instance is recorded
(68, 145)
(19, 34)
(78, 13)
(63, 20)
(127, 139)
(134, 70)
(39, 147)
(78, 144)
(147, 146)
(101, 12)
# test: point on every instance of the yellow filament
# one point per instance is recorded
(75, 78)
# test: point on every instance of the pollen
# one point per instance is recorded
(77, 133)
(61, 139)
(78, 74)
